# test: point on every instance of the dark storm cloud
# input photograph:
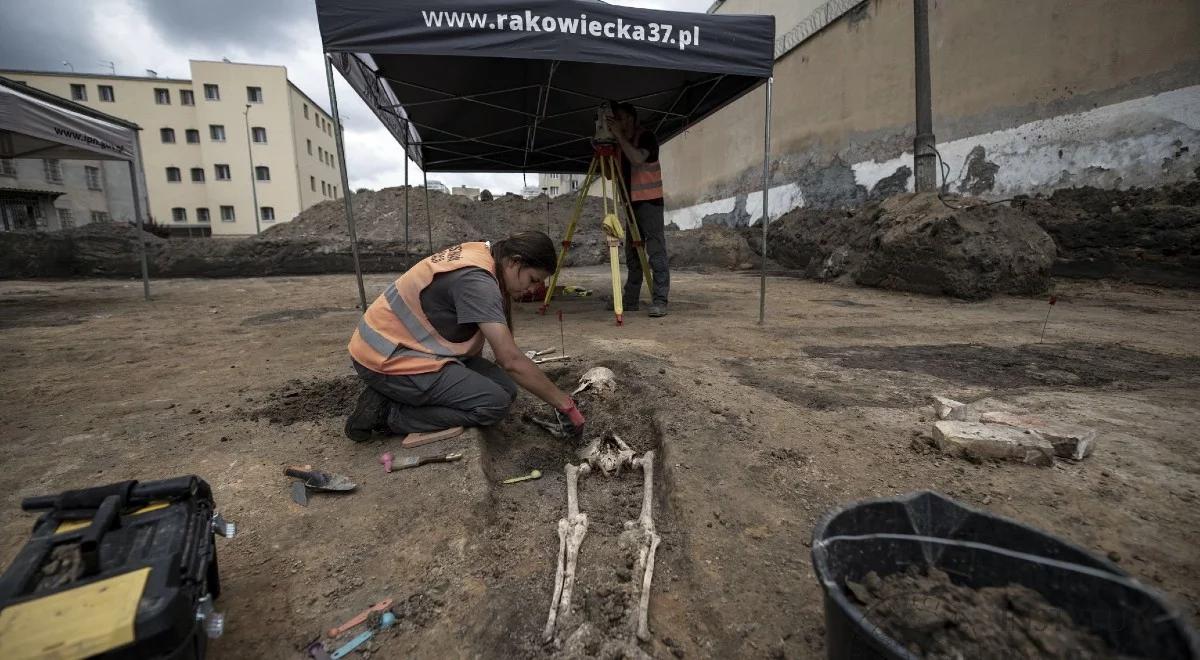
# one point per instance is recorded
(269, 24)
(39, 35)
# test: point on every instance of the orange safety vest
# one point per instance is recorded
(394, 336)
(645, 181)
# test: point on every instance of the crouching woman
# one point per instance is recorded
(418, 346)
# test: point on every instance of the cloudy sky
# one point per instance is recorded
(164, 34)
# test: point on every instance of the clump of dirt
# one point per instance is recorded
(713, 246)
(934, 618)
(915, 242)
(1144, 235)
(309, 400)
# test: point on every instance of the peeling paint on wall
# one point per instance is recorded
(1147, 141)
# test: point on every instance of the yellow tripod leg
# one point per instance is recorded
(615, 260)
(562, 254)
(635, 235)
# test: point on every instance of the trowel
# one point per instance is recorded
(318, 480)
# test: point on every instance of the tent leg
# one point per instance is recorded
(762, 284)
(341, 151)
(428, 213)
(137, 213)
(407, 249)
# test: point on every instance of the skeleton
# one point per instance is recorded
(571, 531)
(608, 454)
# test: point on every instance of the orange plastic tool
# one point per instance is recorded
(361, 617)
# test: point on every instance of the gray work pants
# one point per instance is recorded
(473, 393)
(650, 224)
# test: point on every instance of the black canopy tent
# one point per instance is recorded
(38, 124)
(497, 86)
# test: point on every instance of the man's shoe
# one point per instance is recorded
(658, 311)
(368, 412)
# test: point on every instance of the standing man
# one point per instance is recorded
(643, 179)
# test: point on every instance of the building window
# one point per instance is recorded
(187, 97)
(324, 189)
(254, 95)
(309, 147)
(168, 135)
(227, 214)
(262, 173)
(178, 214)
(306, 111)
(66, 219)
(554, 191)
(8, 167)
(317, 121)
(173, 175)
(267, 213)
(312, 182)
(162, 96)
(222, 172)
(78, 92)
(92, 174)
(101, 217)
(334, 189)
(197, 175)
(216, 132)
(321, 154)
(106, 93)
(259, 134)
(53, 171)
(193, 136)
(212, 92)
(202, 215)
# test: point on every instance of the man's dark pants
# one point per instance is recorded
(474, 392)
(650, 224)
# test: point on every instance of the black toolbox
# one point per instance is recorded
(126, 570)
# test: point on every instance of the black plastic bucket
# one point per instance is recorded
(978, 549)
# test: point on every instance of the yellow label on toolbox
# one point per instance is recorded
(72, 525)
(77, 623)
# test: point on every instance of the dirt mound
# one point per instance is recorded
(308, 401)
(973, 251)
(1144, 235)
(712, 246)
(915, 242)
(934, 618)
(379, 216)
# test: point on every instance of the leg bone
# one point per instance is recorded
(558, 579)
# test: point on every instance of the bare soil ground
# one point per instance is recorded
(760, 430)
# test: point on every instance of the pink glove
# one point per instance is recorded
(572, 413)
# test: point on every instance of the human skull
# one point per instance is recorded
(600, 379)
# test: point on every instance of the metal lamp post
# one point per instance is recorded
(253, 177)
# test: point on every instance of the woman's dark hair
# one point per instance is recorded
(530, 249)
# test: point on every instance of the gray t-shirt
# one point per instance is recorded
(458, 301)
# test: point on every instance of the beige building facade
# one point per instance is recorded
(1028, 97)
(212, 143)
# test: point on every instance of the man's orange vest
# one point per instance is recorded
(395, 337)
(645, 181)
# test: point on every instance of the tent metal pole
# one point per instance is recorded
(428, 213)
(407, 249)
(766, 216)
(341, 150)
(137, 213)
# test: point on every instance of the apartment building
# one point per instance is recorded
(555, 185)
(213, 143)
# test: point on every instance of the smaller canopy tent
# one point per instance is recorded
(37, 124)
(497, 86)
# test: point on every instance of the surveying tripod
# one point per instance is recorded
(604, 166)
